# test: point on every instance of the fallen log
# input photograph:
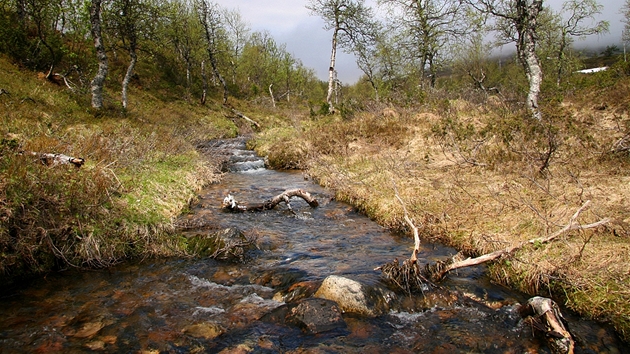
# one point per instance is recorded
(544, 315)
(241, 115)
(230, 203)
(55, 159)
(438, 270)
(408, 276)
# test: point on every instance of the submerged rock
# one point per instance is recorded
(229, 244)
(204, 330)
(298, 291)
(279, 278)
(312, 315)
(354, 297)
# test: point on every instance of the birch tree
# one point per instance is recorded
(212, 22)
(238, 32)
(427, 27)
(517, 20)
(351, 22)
(625, 34)
(185, 34)
(131, 21)
(96, 86)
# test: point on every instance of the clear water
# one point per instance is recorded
(205, 306)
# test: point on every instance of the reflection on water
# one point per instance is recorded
(183, 306)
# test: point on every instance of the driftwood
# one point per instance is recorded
(439, 270)
(544, 315)
(416, 236)
(409, 277)
(231, 204)
(56, 159)
(241, 115)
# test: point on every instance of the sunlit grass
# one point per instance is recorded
(474, 177)
(141, 171)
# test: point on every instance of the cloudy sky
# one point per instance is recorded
(290, 22)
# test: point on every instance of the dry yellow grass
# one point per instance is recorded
(471, 177)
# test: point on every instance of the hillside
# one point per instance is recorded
(475, 173)
(141, 170)
(481, 176)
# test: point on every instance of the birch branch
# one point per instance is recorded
(416, 236)
(439, 270)
(231, 204)
(56, 159)
(241, 115)
(545, 316)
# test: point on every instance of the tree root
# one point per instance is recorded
(407, 276)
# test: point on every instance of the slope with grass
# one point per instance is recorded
(141, 171)
(481, 176)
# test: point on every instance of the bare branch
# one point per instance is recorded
(439, 270)
(416, 237)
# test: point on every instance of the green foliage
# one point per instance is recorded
(324, 110)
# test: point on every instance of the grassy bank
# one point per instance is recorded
(481, 176)
(474, 172)
(141, 171)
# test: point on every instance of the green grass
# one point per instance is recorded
(141, 171)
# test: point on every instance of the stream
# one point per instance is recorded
(210, 306)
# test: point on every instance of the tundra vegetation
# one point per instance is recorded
(484, 152)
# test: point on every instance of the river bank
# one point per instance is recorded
(479, 178)
(141, 170)
(276, 297)
(475, 176)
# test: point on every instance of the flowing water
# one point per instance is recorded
(203, 305)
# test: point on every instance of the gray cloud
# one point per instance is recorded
(290, 22)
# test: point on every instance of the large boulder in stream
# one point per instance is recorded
(230, 244)
(355, 297)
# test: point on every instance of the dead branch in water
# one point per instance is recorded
(439, 270)
(231, 204)
(407, 276)
(416, 237)
(544, 315)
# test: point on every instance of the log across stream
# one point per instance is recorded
(210, 306)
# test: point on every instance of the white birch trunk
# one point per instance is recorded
(273, 100)
(127, 79)
(96, 86)
(526, 47)
(331, 73)
(204, 81)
